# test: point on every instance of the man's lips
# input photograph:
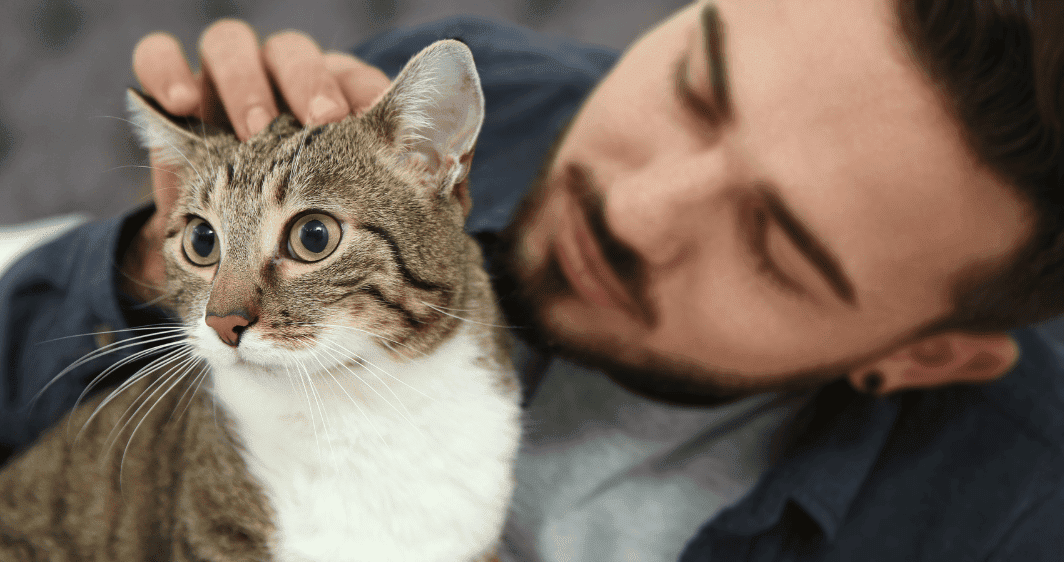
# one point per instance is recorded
(583, 263)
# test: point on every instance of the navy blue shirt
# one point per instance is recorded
(956, 473)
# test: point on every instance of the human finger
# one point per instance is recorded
(360, 82)
(297, 66)
(162, 70)
(229, 52)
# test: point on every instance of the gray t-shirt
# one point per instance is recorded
(606, 475)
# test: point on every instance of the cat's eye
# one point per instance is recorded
(313, 237)
(200, 242)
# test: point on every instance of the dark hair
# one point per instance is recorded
(999, 67)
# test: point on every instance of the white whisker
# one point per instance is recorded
(442, 311)
(179, 375)
(132, 380)
(382, 370)
(197, 382)
(367, 332)
(405, 416)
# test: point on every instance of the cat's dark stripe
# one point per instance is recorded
(313, 134)
(9, 538)
(155, 467)
(60, 508)
(118, 513)
(205, 193)
(352, 282)
(282, 187)
(373, 291)
(408, 275)
(268, 275)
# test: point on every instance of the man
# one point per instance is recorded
(811, 223)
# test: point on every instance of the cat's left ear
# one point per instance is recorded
(433, 113)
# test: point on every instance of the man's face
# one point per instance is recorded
(761, 194)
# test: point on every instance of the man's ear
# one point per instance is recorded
(939, 360)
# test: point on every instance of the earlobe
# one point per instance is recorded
(939, 360)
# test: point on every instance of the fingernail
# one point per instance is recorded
(257, 119)
(182, 96)
(321, 108)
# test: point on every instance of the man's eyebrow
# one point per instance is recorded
(808, 244)
(713, 32)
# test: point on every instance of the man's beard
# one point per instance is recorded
(525, 296)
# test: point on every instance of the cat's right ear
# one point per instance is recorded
(167, 137)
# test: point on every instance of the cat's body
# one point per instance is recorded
(359, 402)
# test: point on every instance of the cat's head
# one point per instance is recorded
(338, 240)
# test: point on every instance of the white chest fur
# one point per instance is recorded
(359, 465)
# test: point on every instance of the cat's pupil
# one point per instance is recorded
(314, 236)
(203, 240)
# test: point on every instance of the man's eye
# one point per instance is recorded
(759, 226)
(694, 102)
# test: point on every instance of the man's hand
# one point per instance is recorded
(234, 86)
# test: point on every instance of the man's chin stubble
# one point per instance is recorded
(658, 378)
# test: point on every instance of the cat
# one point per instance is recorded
(339, 387)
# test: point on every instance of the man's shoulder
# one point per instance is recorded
(1031, 396)
(972, 463)
(517, 53)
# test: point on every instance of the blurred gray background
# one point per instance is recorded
(65, 64)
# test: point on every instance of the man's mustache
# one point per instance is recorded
(624, 261)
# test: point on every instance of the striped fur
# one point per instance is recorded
(369, 411)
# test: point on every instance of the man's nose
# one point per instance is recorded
(231, 326)
(662, 209)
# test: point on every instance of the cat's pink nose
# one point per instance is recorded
(230, 327)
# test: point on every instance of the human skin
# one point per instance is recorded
(827, 112)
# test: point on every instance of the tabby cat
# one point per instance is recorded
(339, 387)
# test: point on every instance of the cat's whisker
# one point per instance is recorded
(152, 302)
(338, 349)
(181, 371)
(320, 402)
(358, 407)
(367, 332)
(442, 311)
(405, 416)
(131, 381)
(96, 354)
(375, 366)
(197, 382)
(154, 328)
(122, 362)
(310, 407)
(182, 361)
(182, 348)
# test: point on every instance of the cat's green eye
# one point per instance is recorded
(313, 237)
(200, 242)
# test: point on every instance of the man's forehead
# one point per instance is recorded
(830, 107)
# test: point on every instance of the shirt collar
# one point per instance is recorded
(836, 440)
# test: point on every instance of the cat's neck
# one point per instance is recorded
(348, 405)
(378, 447)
